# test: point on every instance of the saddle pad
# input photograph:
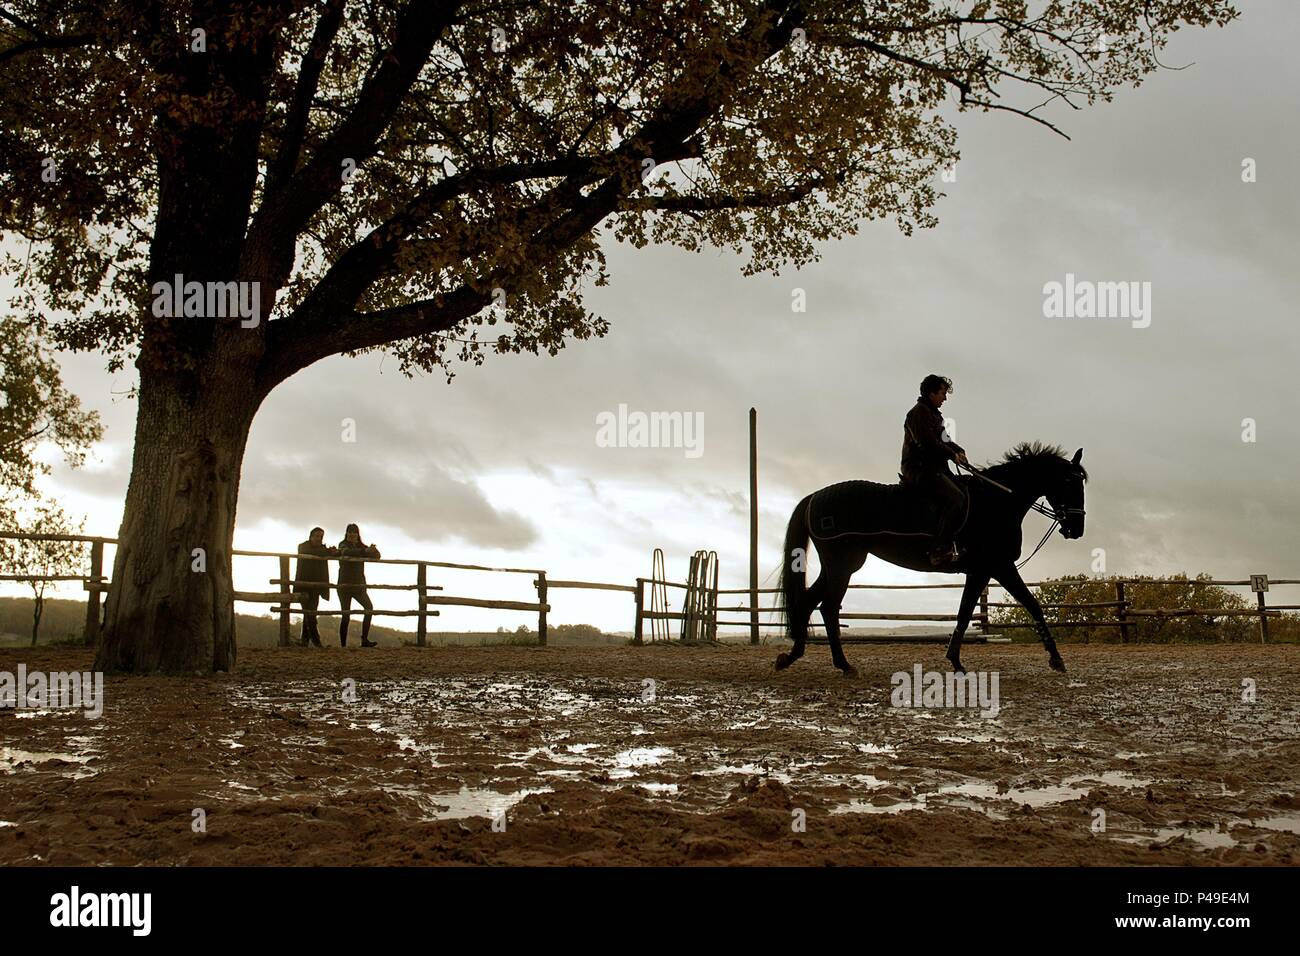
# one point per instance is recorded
(867, 507)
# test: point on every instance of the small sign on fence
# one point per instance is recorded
(1259, 582)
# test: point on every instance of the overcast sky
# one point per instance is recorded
(502, 467)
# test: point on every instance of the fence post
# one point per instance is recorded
(1123, 606)
(1263, 618)
(91, 633)
(640, 612)
(421, 590)
(541, 615)
(286, 589)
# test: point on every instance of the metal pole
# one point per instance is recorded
(753, 526)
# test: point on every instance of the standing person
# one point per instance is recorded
(926, 453)
(311, 579)
(352, 583)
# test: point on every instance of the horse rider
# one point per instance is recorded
(926, 453)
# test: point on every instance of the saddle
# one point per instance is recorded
(868, 507)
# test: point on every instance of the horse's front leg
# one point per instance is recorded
(1016, 587)
(976, 582)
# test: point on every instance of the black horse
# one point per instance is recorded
(852, 519)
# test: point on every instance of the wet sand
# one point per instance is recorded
(566, 750)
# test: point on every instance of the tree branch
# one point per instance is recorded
(334, 326)
(43, 40)
(304, 91)
(283, 214)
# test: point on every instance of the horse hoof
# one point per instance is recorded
(1057, 664)
(956, 665)
(782, 661)
(848, 670)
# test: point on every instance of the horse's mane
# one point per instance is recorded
(1035, 451)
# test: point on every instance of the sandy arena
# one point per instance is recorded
(710, 771)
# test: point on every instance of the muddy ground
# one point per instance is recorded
(714, 769)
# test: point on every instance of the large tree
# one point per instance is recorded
(397, 175)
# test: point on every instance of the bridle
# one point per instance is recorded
(1058, 515)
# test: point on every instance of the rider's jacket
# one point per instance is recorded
(925, 450)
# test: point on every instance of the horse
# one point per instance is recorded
(850, 520)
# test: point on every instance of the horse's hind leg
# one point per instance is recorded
(976, 582)
(837, 584)
(799, 624)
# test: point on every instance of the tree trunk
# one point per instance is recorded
(170, 607)
(37, 607)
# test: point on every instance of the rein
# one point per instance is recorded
(1047, 534)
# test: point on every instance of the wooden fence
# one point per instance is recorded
(1125, 615)
(697, 596)
(285, 598)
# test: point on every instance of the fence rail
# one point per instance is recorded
(699, 603)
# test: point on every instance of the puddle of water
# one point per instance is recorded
(972, 794)
(968, 739)
(862, 806)
(1284, 823)
(887, 750)
(867, 780)
(658, 787)
(521, 759)
(642, 757)
(467, 802)
(1071, 788)
(1208, 838)
(12, 759)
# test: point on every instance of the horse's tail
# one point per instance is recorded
(794, 563)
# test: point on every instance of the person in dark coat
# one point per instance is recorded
(311, 579)
(926, 453)
(352, 583)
